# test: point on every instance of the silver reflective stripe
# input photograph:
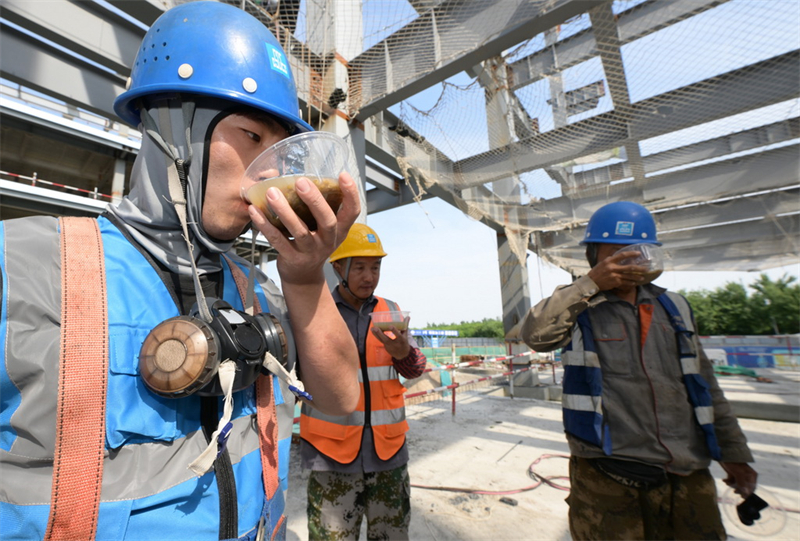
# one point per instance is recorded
(580, 402)
(285, 411)
(392, 305)
(705, 415)
(131, 472)
(388, 417)
(683, 308)
(577, 338)
(580, 358)
(381, 373)
(591, 359)
(354, 419)
(690, 365)
(572, 358)
(34, 299)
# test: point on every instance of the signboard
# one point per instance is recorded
(432, 332)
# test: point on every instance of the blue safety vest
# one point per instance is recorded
(148, 492)
(582, 402)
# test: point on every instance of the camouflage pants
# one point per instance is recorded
(338, 501)
(682, 508)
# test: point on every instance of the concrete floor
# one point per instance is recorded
(492, 441)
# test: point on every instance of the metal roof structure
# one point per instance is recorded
(527, 115)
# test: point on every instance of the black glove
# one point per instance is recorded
(750, 510)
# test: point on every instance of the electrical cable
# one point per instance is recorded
(540, 480)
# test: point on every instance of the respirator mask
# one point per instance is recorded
(181, 356)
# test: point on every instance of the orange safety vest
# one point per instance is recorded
(339, 437)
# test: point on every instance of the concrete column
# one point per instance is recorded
(336, 28)
(513, 263)
(558, 101)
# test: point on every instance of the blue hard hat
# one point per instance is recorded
(623, 222)
(216, 50)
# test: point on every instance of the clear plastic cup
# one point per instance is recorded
(319, 156)
(393, 318)
(650, 256)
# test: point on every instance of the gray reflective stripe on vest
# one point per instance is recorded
(31, 328)
(577, 356)
(577, 338)
(388, 417)
(285, 411)
(379, 373)
(27, 467)
(683, 308)
(378, 417)
(580, 402)
(131, 472)
(705, 415)
(354, 419)
(580, 358)
(690, 365)
(392, 305)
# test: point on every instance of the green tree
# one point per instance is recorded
(776, 305)
(704, 312)
(733, 310)
(487, 328)
(773, 308)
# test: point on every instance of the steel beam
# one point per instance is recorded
(718, 97)
(418, 55)
(712, 248)
(697, 217)
(26, 61)
(747, 256)
(379, 201)
(29, 119)
(45, 200)
(144, 11)
(778, 132)
(743, 256)
(632, 24)
(762, 171)
(81, 27)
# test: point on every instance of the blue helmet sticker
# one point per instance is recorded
(371, 238)
(624, 228)
(277, 60)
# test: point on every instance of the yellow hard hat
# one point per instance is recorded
(361, 241)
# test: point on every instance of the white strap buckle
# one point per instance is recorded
(275, 367)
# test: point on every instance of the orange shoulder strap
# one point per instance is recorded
(82, 379)
(266, 414)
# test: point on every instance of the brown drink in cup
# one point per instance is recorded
(257, 196)
(649, 256)
(318, 156)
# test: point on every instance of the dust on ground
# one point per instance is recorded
(491, 443)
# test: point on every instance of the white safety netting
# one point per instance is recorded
(530, 115)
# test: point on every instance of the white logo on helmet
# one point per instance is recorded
(624, 228)
(277, 60)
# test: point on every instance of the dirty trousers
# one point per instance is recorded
(338, 501)
(603, 509)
